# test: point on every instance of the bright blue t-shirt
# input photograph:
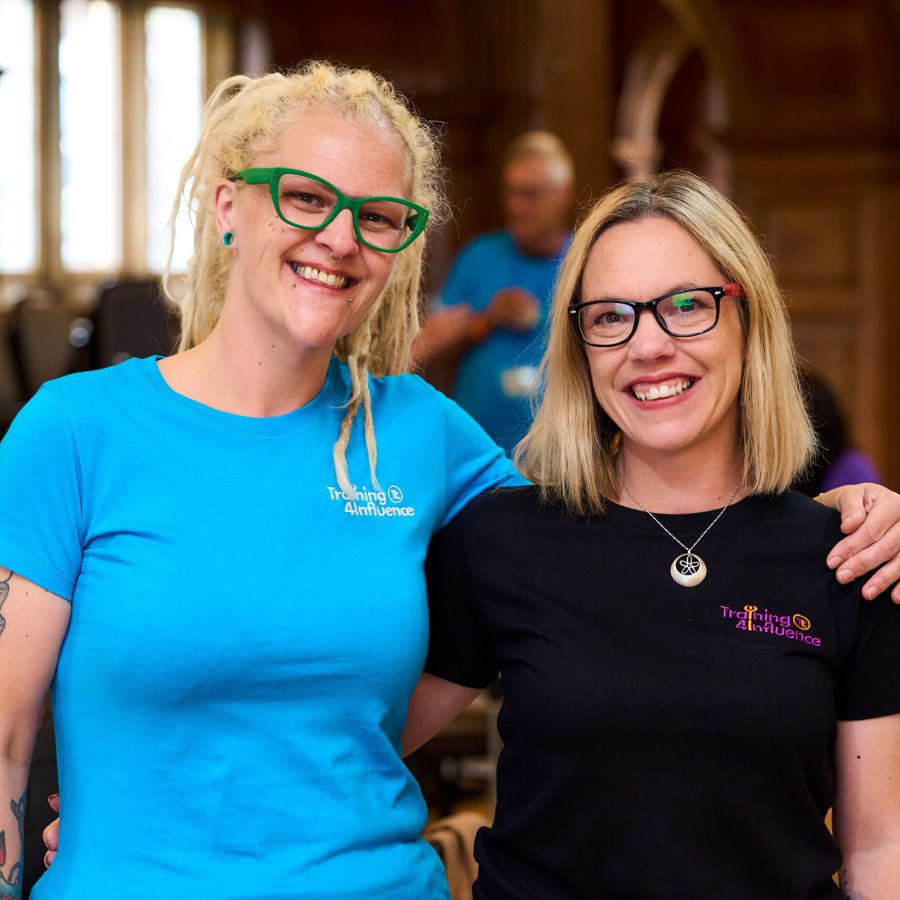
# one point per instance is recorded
(244, 639)
(497, 379)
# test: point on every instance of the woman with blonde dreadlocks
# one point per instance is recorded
(241, 596)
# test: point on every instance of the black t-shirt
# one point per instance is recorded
(659, 741)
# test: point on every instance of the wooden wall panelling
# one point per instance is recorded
(806, 69)
(814, 159)
(813, 239)
(820, 223)
(881, 342)
(573, 71)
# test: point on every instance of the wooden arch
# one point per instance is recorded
(696, 25)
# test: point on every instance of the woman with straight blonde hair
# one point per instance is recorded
(686, 688)
(775, 436)
(212, 555)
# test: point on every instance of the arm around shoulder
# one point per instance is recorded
(870, 517)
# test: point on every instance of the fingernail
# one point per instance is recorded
(47, 860)
(52, 797)
(834, 561)
(870, 593)
(844, 575)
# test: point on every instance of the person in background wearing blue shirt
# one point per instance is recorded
(492, 310)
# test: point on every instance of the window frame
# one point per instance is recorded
(219, 44)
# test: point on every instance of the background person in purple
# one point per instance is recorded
(838, 460)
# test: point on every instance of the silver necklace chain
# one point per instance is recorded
(669, 533)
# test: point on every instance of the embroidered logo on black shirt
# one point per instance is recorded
(794, 627)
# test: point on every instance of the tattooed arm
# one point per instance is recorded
(33, 623)
(867, 807)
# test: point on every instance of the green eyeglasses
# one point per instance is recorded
(304, 200)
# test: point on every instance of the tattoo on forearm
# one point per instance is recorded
(4, 591)
(847, 891)
(11, 884)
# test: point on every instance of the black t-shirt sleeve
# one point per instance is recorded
(868, 684)
(459, 647)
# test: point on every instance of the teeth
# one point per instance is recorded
(335, 281)
(661, 391)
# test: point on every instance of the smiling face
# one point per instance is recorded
(294, 287)
(669, 396)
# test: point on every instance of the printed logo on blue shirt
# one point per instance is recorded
(372, 503)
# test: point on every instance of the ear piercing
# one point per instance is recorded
(228, 238)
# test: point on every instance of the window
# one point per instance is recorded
(173, 118)
(128, 82)
(18, 148)
(90, 138)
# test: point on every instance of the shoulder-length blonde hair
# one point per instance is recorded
(243, 117)
(572, 446)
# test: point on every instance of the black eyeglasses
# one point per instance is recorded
(304, 200)
(684, 313)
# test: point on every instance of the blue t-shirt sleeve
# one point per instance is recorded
(40, 497)
(473, 462)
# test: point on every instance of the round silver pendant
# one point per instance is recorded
(688, 570)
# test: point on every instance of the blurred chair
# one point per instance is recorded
(39, 333)
(10, 379)
(132, 318)
(453, 838)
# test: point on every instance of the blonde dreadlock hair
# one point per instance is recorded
(244, 115)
